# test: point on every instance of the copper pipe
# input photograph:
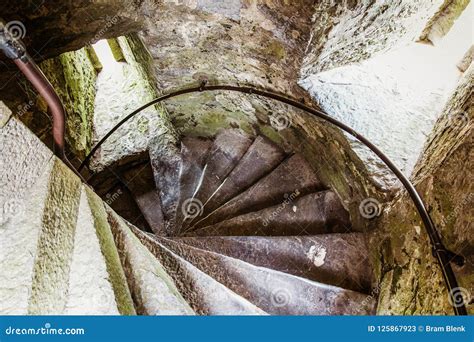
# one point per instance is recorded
(15, 50)
(39, 81)
(46, 90)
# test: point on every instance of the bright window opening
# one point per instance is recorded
(104, 53)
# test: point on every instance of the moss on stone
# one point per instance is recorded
(94, 58)
(409, 277)
(74, 76)
(116, 50)
(276, 49)
(55, 243)
(111, 255)
(443, 20)
(271, 134)
(137, 55)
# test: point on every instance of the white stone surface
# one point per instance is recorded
(25, 166)
(393, 100)
(18, 248)
(33, 209)
(5, 114)
(317, 254)
(346, 32)
(90, 292)
(22, 160)
(151, 286)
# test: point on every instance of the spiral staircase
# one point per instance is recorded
(249, 229)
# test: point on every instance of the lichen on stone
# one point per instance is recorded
(74, 76)
(109, 250)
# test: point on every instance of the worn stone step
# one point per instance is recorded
(56, 257)
(153, 290)
(335, 259)
(166, 162)
(316, 213)
(228, 148)
(204, 294)
(275, 292)
(293, 177)
(25, 168)
(140, 181)
(259, 160)
(97, 283)
(52, 255)
(194, 152)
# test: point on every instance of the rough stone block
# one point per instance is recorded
(152, 288)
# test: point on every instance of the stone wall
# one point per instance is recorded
(253, 41)
(393, 96)
(350, 31)
(199, 40)
(264, 47)
(443, 20)
(54, 27)
(122, 88)
(411, 280)
(73, 76)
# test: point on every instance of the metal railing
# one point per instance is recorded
(443, 256)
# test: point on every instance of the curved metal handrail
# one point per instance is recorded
(443, 256)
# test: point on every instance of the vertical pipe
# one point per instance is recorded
(39, 81)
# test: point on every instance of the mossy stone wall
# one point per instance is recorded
(411, 281)
(74, 76)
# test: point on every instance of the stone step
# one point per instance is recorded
(97, 283)
(25, 169)
(116, 274)
(259, 160)
(57, 254)
(275, 292)
(204, 294)
(316, 213)
(293, 177)
(335, 259)
(141, 183)
(194, 152)
(228, 148)
(166, 162)
(153, 290)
